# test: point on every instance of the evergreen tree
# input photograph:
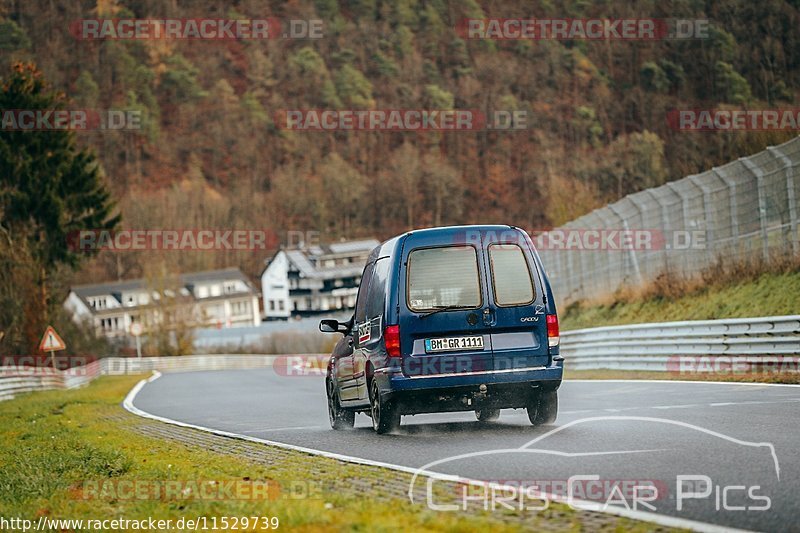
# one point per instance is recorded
(50, 189)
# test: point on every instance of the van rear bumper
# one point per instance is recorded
(462, 392)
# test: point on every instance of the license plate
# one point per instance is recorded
(449, 344)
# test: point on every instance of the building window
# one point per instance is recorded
(272, 305)
(280, 305)
(109, 324)
(229, 287)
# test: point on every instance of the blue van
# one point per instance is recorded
(457, 318)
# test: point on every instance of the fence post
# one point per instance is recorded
(613, 279)
(709, 225)
(762, 203)
(646, 258)
(791, 196)
(664, 227)
(733, 207)
(632, 253)
(687, 268)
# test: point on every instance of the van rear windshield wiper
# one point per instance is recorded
(439, 308)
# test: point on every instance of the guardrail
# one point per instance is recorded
(654, 347)
(16, 380)
(659, 347)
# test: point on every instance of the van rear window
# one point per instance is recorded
(443, 277)
(511, 277)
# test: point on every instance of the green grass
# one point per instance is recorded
(770, 294)
(54, 442)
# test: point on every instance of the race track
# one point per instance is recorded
(639, 433)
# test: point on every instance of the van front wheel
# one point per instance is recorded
(543, 408)
(338, 417)
(385, 416)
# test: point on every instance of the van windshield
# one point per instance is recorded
(443, 277)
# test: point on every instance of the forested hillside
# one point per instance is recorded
(210, 156)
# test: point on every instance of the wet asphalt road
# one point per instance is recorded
(627, 433)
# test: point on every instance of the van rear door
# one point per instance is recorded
(516, 302)
(442, 297)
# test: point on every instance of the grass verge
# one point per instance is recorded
(55, 444)
(767, 294)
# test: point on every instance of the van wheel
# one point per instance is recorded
(487, 415)
(338, 417)
(543, 409)
(385, 416)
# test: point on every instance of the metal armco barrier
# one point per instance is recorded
(16, 380)
(655, 347)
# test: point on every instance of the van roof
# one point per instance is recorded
(387, 248)
(447, 231)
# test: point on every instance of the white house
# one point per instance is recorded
(222, 298)
(313, 279)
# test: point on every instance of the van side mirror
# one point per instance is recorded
(329, 325)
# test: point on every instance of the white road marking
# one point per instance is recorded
(644, 516)
(680, 406)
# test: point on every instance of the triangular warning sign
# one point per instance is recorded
(51, 342)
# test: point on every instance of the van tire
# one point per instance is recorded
(385, 416)
(543, 408)
(487, 415)
(338, 417)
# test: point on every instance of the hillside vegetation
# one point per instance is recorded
(210, 155)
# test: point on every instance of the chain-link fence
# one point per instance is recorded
(746, 209)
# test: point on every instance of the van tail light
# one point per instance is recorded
(391, 339)
(552, 330)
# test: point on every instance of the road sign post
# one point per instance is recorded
(51, 342)
(136, 331)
